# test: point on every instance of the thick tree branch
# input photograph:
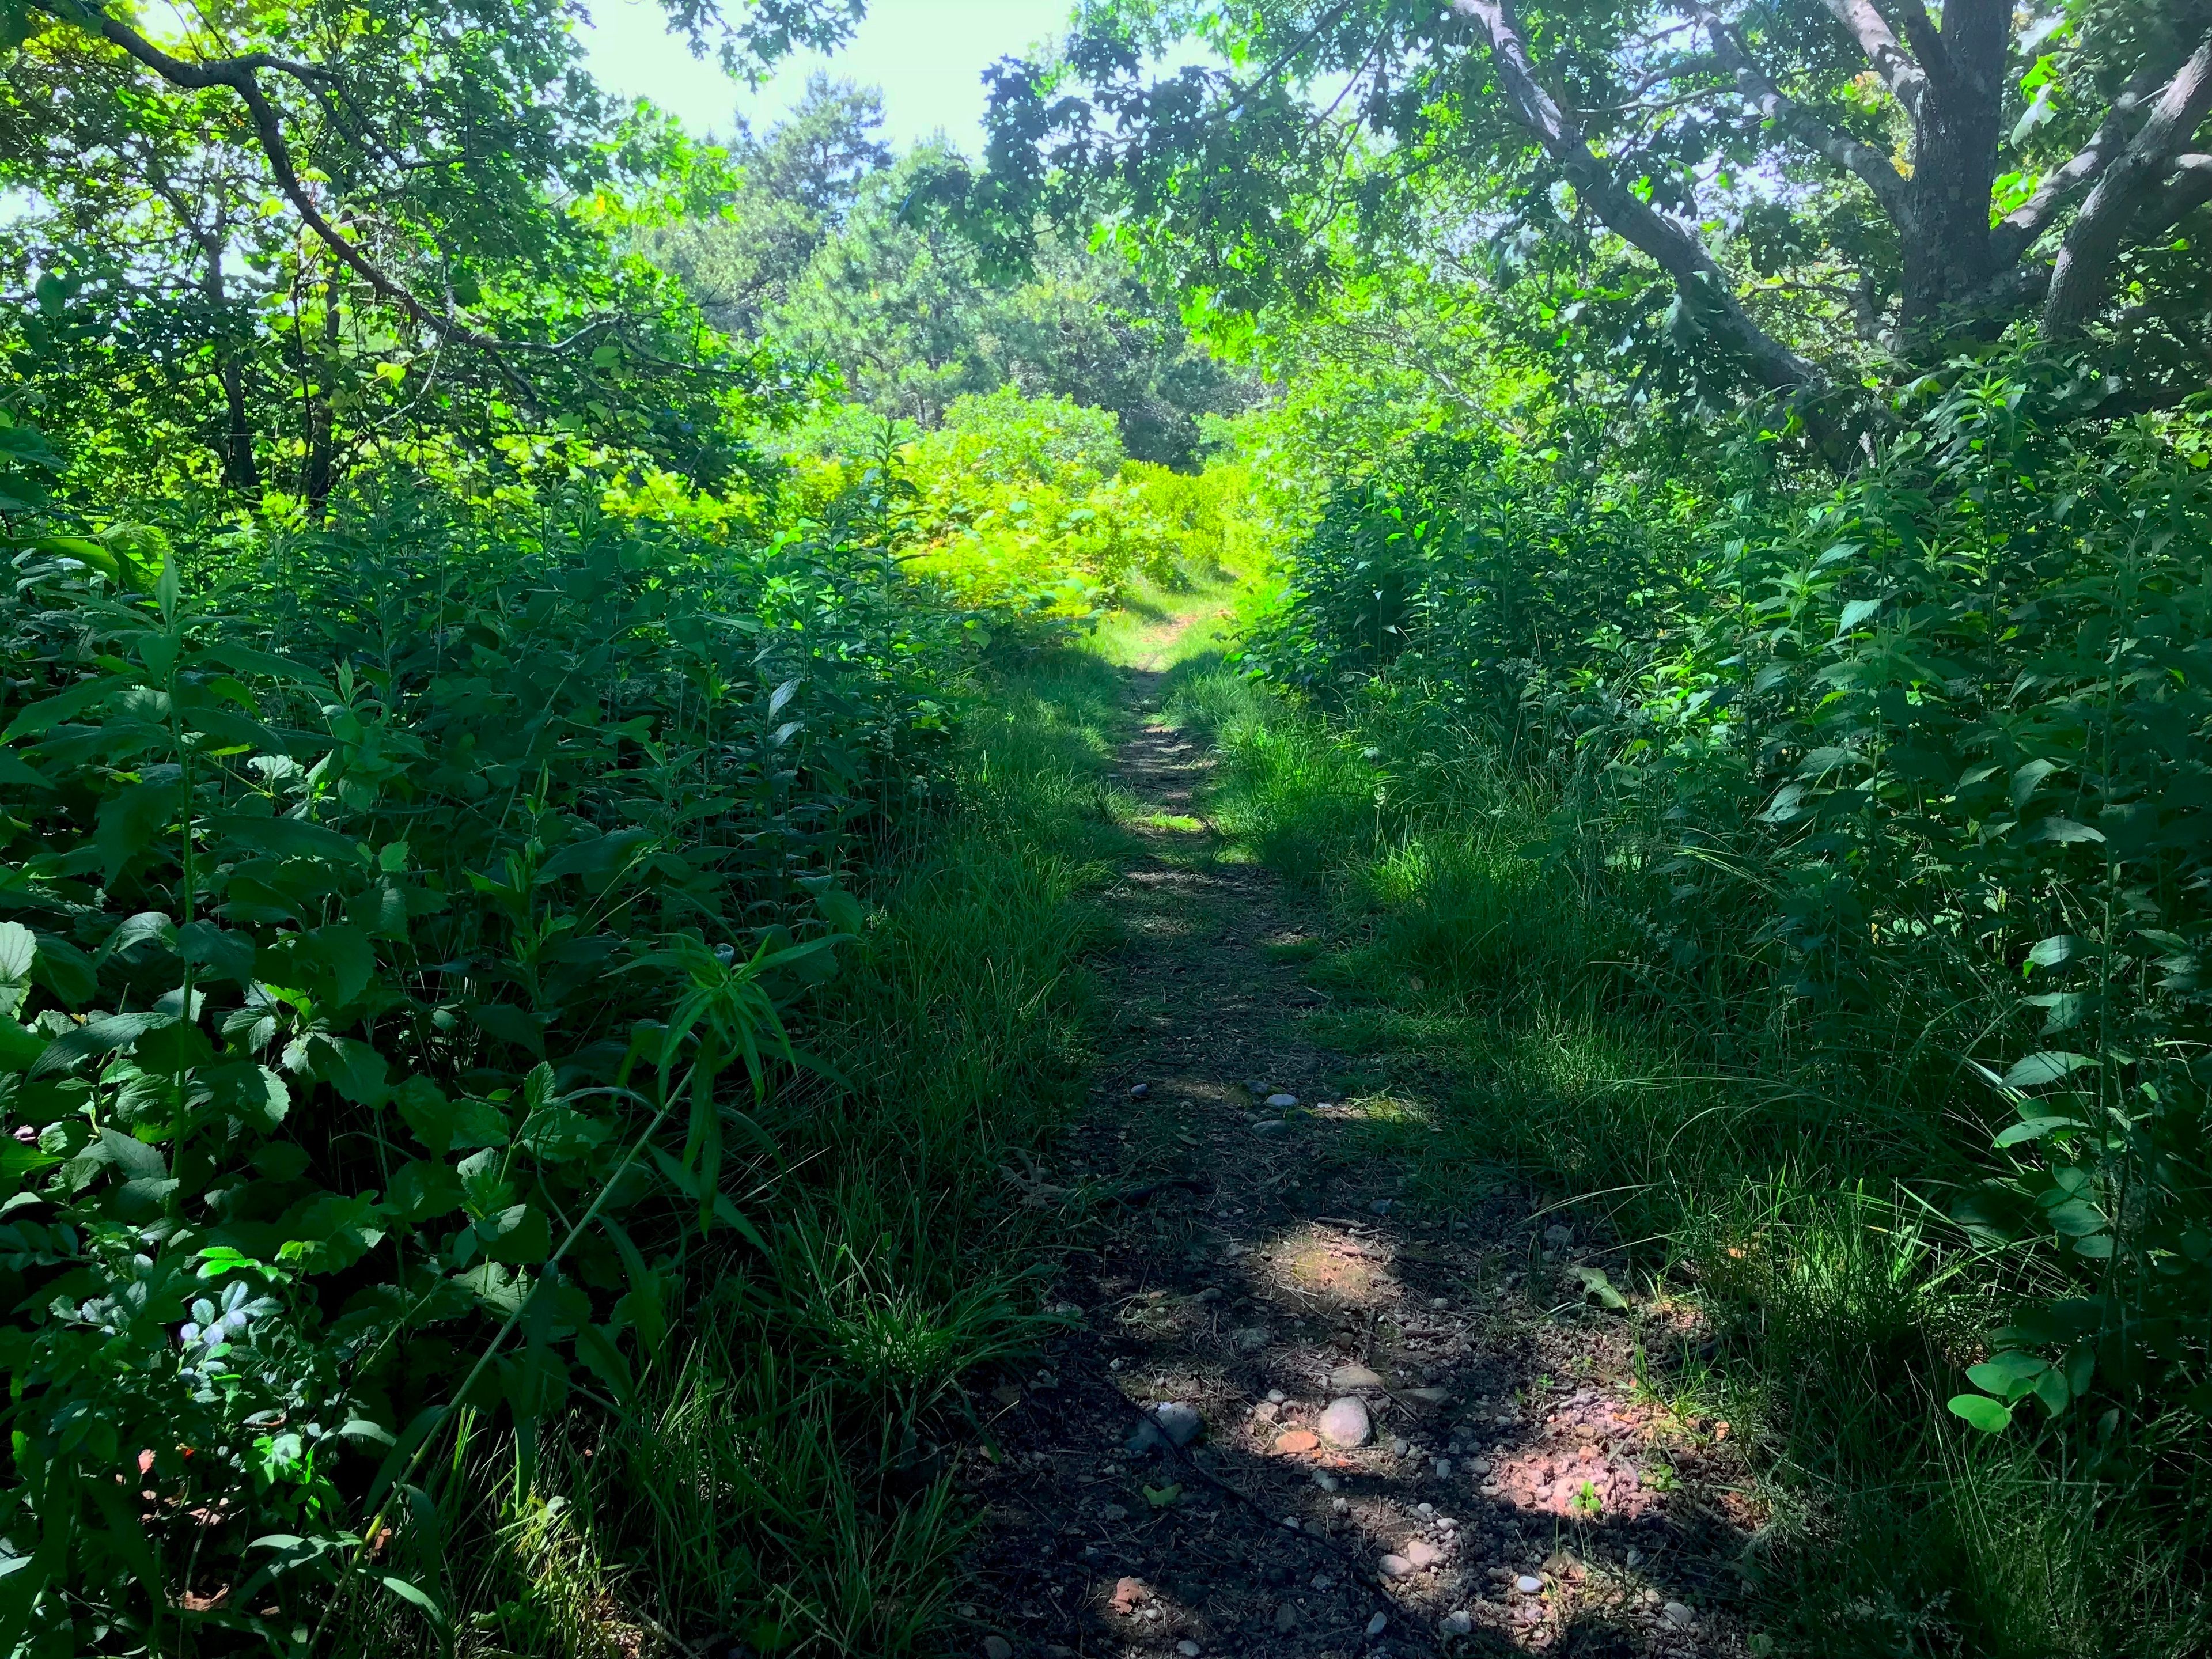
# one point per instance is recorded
(1788, 116)
(2127, 184)
(1920, 34)
(2189, 188)
(1899, 70)
(1680, 255)
(242, 77)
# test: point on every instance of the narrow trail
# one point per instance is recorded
(1512, 1491)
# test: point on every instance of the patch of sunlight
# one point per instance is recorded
(1326, 1268)
(1180, 821)
(1393, 1109)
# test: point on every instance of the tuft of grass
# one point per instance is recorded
(783, 1477)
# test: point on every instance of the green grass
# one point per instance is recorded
(1493, 952)
(784, 1477)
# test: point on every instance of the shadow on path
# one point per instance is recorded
(1513, 1491)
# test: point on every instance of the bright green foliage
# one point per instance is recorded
(1818, 871)
(398, 940)
(1954, 714)
(1026, 505)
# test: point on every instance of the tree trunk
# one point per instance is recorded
(1949, 254)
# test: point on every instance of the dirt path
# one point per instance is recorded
(1513, 1491)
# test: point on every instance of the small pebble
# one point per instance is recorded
(1422, 1554)
(1286, 1618)
(1528, 1584)
(1636, 1557)
(1460, 1623)
(1266, 1410)
(997, 1647)
(1273, 1126)
(1345, 1423)
(1138, 1091)
(1324, 1479)
(1276, 1396)
(1345, 1378)
(1678, 1615)
(1482, 1466)
(1556, 1234)
(1401, 1445)
(1443, 1468)
(1281, 1103)
(1381, 1207)
(1188, 1649)
(1378, 1624)
(1440, 1302)
(1395, 1566)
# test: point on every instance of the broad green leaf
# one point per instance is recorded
(99, 1037)
(2040, 1071)
(1982, 1411)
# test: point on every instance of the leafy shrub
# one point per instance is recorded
(1023, 505)
(1937, 740)
(389, 926)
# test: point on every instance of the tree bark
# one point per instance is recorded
(2128, 186)
(1948, 252)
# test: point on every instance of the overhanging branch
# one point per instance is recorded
(2125, 188)
(1681, 256)
(1863, 162)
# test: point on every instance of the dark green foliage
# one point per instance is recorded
(1820, 872)
(394, 931)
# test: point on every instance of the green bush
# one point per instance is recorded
(1814, 874)
(400, 926)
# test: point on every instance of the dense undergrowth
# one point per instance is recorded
(423, 1231)
(1813, 882)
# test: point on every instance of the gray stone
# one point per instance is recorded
(1378, 1624)
(1381, 1205)
(1286, 1617)
(1423, 1555)
(1395, 1566)
(1443, 1468)
(1345, 1423)
(1271, 1125)
(1557, 1235)
(1277, 1396)
(1678, 1615)
(1428, 1396)
(1345, 1378)
(1171, 1423)
(1401, 1445)
(1180, 1422)
(1281, 1103)
(1188, 1649)
(997, 1647)
(1138, 1091)
(1458, 1623)
(1528, 1584)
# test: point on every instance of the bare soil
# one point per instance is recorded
(1241, 1259)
